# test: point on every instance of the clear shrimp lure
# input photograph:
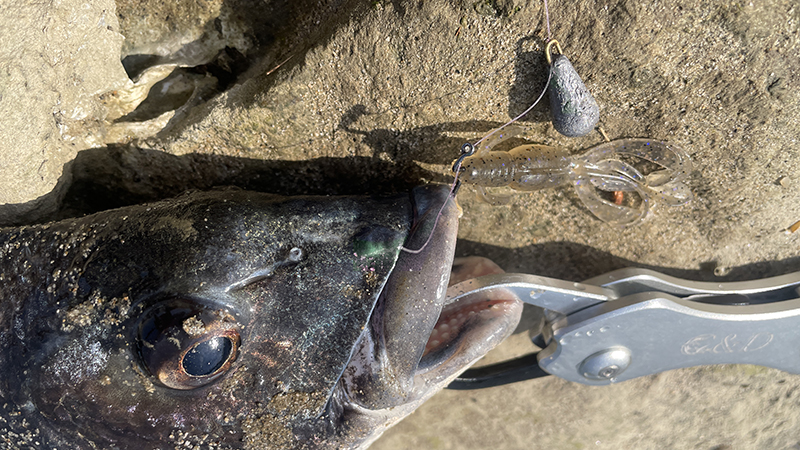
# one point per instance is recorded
(600, 169)
(607, 168)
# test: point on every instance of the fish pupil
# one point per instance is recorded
(207, 357)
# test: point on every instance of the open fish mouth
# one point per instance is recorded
(459, 317)
(466, 328)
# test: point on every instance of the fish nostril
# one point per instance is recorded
(296, 254)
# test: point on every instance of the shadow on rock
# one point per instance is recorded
(246, 42)
(530, 79)
(429, 144)
(121, 175)
(105, 178)
(578, 262)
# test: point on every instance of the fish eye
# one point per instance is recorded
(206, 357)
(185, 345)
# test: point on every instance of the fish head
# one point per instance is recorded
(232, 319)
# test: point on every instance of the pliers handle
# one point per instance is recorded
(634, 322)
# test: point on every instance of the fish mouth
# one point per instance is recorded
(418, 340)
(468, 328)
(453, 334)
(459, 317)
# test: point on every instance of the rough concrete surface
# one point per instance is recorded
(54, 59)
(372, 96)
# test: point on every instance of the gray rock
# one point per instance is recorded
(55, 60)
(348, 96)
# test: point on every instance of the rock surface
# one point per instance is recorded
(55, 59)
(352, 97)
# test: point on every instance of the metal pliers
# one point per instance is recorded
(635, 322)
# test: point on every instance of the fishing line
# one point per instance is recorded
(547, 20)
(468, 149)
(544, 91)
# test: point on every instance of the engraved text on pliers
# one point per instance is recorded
(732, 343)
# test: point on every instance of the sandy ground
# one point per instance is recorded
(365, 97)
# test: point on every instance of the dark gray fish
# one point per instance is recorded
(231, 319)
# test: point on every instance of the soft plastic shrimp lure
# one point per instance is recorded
(607, 167)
